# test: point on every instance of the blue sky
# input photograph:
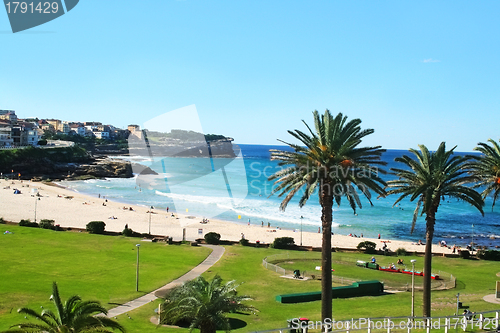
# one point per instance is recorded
(418, 72)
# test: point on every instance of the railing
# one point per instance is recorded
(446, 281)
(481, 321)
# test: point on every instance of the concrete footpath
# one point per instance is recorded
(217, 252)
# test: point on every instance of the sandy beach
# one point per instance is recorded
(73, 209)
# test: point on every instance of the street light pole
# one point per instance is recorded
(137, 269)
(413, 261)
(301, 217)
(472, 243)
(36, 199)
(150, 209)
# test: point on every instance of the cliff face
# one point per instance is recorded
(97, 168)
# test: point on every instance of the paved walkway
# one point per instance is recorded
(217, 252)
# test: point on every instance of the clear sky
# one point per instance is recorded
(418, 72)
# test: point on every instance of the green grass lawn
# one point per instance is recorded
(76, 274)
(93, 266)
(474, 280)
(345, 267)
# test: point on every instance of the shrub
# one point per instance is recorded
(367, 247)
(212, 238)
(464, 254)
(128, 232)
(244, 242)
(2, 221)
(28, 223)
(95, 227)
(46, 224)
(283, 243)
(401, 252)
(489, 255)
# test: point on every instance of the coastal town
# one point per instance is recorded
(19, 132)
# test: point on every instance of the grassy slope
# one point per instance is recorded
(92, 266)
(475, 279)
(244, 264)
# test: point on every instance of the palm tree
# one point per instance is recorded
(330, 161)
(203, 304)
(487, 169)
(427, 178)
(74, 316)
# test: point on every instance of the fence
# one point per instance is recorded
(446, 281)
(481, 321)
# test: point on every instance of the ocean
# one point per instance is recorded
(237, 190)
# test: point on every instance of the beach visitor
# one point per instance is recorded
(242, 236)
(248, 221)
(378, 236)
(262, 224)
(167, 209)
(269, 224)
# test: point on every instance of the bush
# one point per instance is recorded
(95, 227)
(464, 254)
(489, 255)
(401, 252)
(28, 223)
(283, 243)
(244, 242)
(128, 232)
(2, 221)
(212, 238)
(46, 224)
(367, 247)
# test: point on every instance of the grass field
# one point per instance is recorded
(103, 267)
(92, 266)
(474, 280)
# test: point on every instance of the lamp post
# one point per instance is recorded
(472, 243)
(36, 200)
(413, 261)
(137, 269)
(150, 211)
(301, 217)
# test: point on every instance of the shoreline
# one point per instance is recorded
(70, 208)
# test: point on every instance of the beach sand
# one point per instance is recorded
(73, 209)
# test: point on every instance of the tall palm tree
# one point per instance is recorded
(428, 178)
(203, 304)
(74, 316)
(329, 160)
(487, 169)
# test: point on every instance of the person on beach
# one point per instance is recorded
(378, 236)
(262, 224)
(269, 224)
(242, 236)
(167, 209)
(248, 221)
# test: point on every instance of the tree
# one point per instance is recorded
(203, 304)
(74, 316)
(487, 169)
(330, 161)
(428, 178)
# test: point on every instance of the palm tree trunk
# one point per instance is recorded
(429, 235)
(326, 201)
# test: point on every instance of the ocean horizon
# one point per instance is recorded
(187, 187)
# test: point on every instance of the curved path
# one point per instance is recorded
(217, 252)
